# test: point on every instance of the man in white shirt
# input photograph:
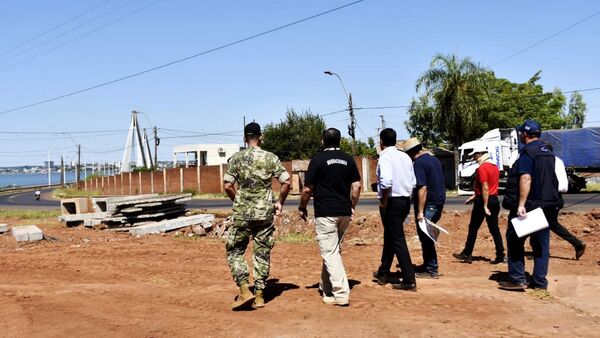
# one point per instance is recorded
(556, 227)
(395, 183)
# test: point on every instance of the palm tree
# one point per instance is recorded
(453, 85)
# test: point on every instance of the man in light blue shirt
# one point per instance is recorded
(395, 183)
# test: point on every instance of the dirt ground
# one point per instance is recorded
(100, 283)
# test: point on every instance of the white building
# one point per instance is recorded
(205, 154)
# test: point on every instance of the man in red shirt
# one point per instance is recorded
(485, 205)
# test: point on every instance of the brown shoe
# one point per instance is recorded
(244, 299)
(259, 299)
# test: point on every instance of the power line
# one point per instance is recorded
(66, 32)
(80, 36)
(63, 132)
(251, 37)
(547, 38)
(54, 28)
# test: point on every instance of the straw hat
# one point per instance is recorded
(410, 143)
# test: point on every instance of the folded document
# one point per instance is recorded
(431, 229)
(535, 220)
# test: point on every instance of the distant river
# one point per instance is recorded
(27, 180)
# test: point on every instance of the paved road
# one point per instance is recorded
(26, 200)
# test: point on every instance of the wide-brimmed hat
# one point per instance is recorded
(410, 144)
(480, 147)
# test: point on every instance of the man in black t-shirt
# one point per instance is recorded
(333, 179)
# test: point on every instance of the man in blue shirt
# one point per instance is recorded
(429, 197)
(532, 183)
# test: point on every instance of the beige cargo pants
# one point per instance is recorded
(330, 233)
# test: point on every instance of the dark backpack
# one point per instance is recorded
(544, 183)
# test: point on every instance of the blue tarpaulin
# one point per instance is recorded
(576, 147)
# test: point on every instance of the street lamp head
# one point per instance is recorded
(327, 72)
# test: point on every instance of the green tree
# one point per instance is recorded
(453, 86)
(362, 148)
(420, 123)
(297, 137)
(576, 113)
(507, 104)
(462, 101)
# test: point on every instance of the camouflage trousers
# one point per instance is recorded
(237, 242)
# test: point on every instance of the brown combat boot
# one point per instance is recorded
(259, 301)
(244, 299)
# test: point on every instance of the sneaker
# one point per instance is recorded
(499, 260)
(510, 286)
(380, 278)
(579, 251)
(427, 275)
(463, 257)
(532, 286)
(405, 286)
(329, 300)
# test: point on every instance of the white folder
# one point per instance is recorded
(535, 220)
(431, 229)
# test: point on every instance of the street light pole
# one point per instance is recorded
(352, 126)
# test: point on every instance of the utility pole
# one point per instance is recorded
(62, 170)
(156, 143)
(352, 126)
(382, 122)
(244, 126)
(49, 173)
(78, 168)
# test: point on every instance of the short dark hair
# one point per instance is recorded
(331, 138)
(388, 137)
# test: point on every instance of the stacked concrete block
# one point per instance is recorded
(72, 206)
(27, 233)
(3, 228)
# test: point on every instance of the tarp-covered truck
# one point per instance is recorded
(578, 148)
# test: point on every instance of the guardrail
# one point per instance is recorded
(28, 188)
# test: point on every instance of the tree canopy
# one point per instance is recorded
(296, 137)
(576, 112)
(459, 100)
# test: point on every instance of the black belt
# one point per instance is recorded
(399, 198)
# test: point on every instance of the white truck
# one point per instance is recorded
(578, 148)
(503, 146)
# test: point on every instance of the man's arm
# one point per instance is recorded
(355, 194)
(485, 194)
(283, 192)
(422, 195)
(230, 190)
(304, 198)
(524, 187)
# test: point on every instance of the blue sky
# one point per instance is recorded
(378, 47)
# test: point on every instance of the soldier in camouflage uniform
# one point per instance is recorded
(254, 208)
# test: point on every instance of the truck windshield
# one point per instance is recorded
(465, 155)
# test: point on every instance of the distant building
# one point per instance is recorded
(48, 164)
(204, 154)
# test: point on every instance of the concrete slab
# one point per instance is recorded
(71, 206)
(27, 233)
(3, 228)
(172, 224)
(82, 217)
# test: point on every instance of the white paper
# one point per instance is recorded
(535, 220)
(431, 229)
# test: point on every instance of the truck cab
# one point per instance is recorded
(503, 147)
